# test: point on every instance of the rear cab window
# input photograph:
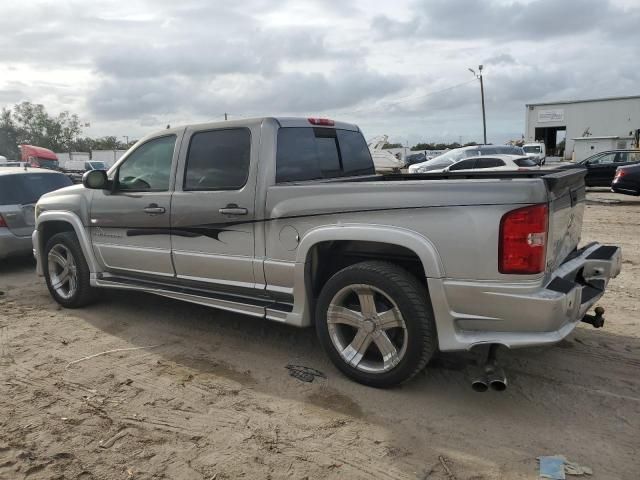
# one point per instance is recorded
(218, 160)
(26, 188)
(312, 153)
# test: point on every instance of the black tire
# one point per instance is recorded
(411, 298)
(84, 293)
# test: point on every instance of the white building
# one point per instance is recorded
(613, 119)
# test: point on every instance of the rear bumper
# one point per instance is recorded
(523, 314)
(626, 188)
(12, 245)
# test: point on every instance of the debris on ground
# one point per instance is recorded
(555, 467)
(304, 374)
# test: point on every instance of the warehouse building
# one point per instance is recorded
(587, 126)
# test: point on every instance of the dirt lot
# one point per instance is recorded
(213, 399)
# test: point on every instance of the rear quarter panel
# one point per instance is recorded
(460, 218)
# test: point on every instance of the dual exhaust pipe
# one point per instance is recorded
(490, 375)
(493, 377)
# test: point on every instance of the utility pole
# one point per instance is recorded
(126, 137)
(484, 119)
(225, 115)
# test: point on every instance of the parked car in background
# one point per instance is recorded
(627, 180)
(20, 189)
(457, 154)
(601, 167)
(491, 163)
(537, 151)
(94, 165)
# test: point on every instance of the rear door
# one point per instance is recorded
(213, 208)
(19, 193)
(484, 163)
(468, 164)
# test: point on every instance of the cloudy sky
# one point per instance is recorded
(400, 68)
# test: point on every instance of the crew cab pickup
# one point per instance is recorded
(285, 219)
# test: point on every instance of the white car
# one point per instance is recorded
(489, 163)
(457, 154)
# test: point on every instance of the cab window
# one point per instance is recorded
(218, 160)
(148, 168)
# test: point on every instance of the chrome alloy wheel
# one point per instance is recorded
(367, 329)
(63, 273)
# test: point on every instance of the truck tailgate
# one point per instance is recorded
(566, 210)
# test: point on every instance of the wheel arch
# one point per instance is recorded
(399, 240)
(52, 222)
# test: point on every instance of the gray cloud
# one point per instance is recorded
(144, 64)
(538, 19)
(281, 93)
(502, 59)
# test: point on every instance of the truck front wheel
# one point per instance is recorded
(375, 321)
(66, 271)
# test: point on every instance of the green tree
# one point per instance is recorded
(8, 136)
(31, 124)
(392, 145)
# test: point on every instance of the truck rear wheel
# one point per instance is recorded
(66, 271)
(374, 320)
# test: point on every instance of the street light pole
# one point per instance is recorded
(484, 118)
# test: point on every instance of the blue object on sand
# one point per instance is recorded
(552, 467)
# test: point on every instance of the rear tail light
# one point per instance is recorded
(2, 222)
(619, 175)
(325, 122)
(523, 240)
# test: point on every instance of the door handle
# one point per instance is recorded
(154, 209)
(233, 209)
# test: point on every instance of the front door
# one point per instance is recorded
(130, 226)
(213, 211)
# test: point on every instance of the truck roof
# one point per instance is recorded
(245, 122)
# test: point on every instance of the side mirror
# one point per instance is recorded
(95, 179)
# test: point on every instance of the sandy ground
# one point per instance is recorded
(215, 401)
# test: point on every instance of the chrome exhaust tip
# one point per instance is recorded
(497, 379)
(480, 384)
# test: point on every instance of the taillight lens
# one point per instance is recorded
(325, 122)
(523, 240)
(619, 175)
(2, 222)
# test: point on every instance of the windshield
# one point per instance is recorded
(24, 188)
(46, 163)
(455, 155)
(532, 149)
(437, 163)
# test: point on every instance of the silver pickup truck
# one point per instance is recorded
(285, 219)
